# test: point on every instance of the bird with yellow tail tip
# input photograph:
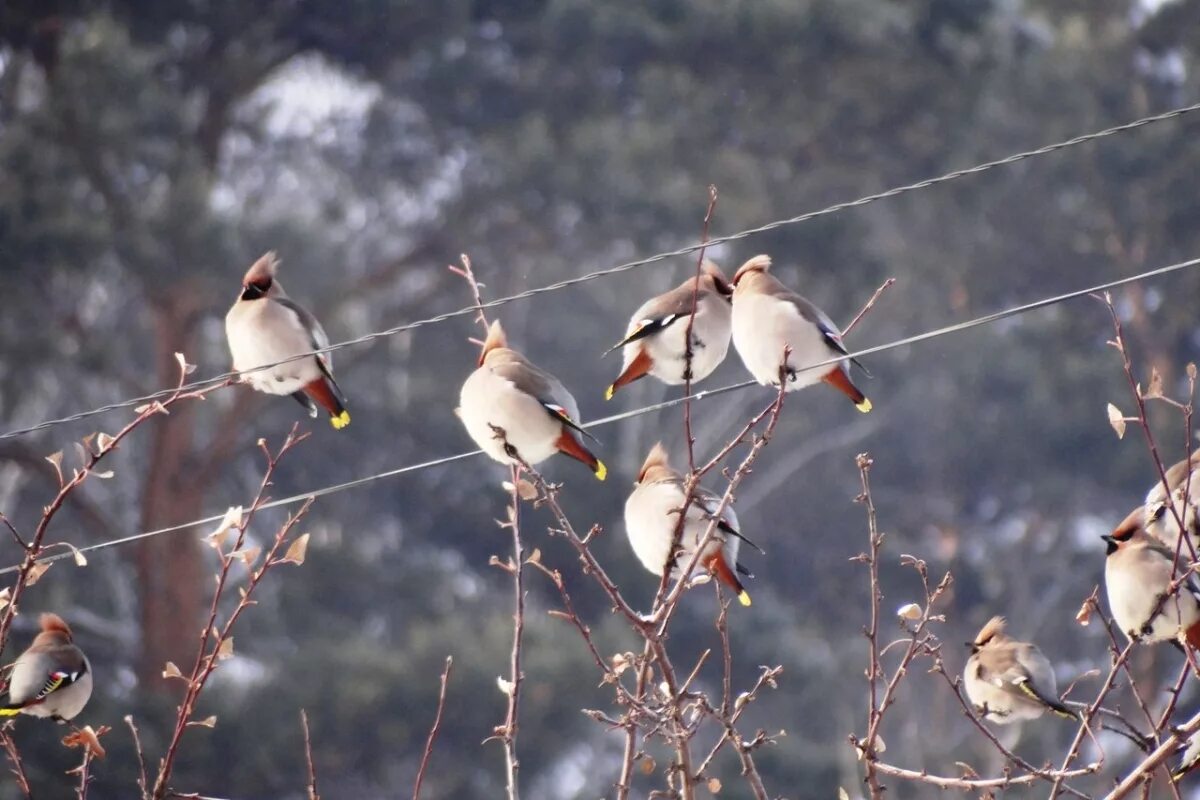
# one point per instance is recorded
(651, 516)
(516, 412)
(265, 326)
(655, 339)
(1182, 491)
(769, 318)
(1009, 681)
(52, 678)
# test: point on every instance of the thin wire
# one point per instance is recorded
(637, 412)
(630, 265)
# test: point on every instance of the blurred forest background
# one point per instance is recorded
(150, 150)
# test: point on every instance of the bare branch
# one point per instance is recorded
(433, 731)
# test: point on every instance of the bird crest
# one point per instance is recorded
(262, 271)
(991, 629)
(656, 461)
(495, 340)
(54, 627)
(760, 263)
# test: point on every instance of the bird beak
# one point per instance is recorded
(1106, 537)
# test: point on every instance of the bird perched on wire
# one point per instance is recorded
(52, 678)
(1009, 681)
(1160, 521)
(655, 340)
(1138, 574)
(652, 515)
(510, 407)
(266, 326)
(768, 317)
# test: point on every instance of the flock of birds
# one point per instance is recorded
(1152, 596)
(520, 414)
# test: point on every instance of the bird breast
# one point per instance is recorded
(651, 513)
(710, 342)
(488, 399)
(763, 326)
(1133, 587)
(264, 332)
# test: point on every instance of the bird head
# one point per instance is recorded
(1130, 531)
(991, 631)
(656, 465)
(260, 278)
(496, 339)
(54, 630)
(758, 264)
(712, 275)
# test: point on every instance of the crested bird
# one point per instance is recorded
(517, 412)
(52, 678)
(1183, 479)
(265, 326)
(1138, 573)
(654, 342)
(768, 317)
(652, 515)
(1008, 681)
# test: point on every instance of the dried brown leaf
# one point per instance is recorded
(104, 442)
(5, 597)
(909, 611)
(225, 650)
(506, 686)
(1191, 370)
(77, 554)
(713, 785)
(232, 519)
(248, 555)
(1155, 389)
(184, 366)
(647, 766)
(1117, 420)
(1084, 615)
(207, 722)
(171, 671)
(87, 738)
(36, 572)
(297, 550)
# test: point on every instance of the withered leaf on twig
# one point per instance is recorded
(297, 550)
(36, 572)
(87, 738)
(1117, 420)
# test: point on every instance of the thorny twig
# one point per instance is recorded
(141, 758)
(308, 758)
(433, 730)
(507, 732)
(10, 747)
(94, 449)
(216, 643)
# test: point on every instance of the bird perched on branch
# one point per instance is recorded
(265, 326)
(509, 407)
(52, 678)
(652, 515)
(1138, 575)
(768, 317)
(1184, 482)
(655, 340)
(1008, 681)
(1189, 759)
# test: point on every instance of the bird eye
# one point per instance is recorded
(1157, 513)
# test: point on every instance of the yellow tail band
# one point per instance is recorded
(865, 406)
(610, 391)
(9, 712)
(744, 598)
(340, 421)
(601, 470)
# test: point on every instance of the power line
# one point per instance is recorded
(629, 265)
(957, 327)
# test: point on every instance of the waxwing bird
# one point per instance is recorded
(1189, 759)
(265, 326)
(1137, 575)
(1008, 681)
(767, 317)
(652, 513)
(52, 678)
(1184, 482)
(654, 341)
(509, 404)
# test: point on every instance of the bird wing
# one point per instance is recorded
(544, 388)
(661, 312)
(316, 337)
(727, 524)
(814, 315)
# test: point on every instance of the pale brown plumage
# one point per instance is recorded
(1008, 681)
(52, 678)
